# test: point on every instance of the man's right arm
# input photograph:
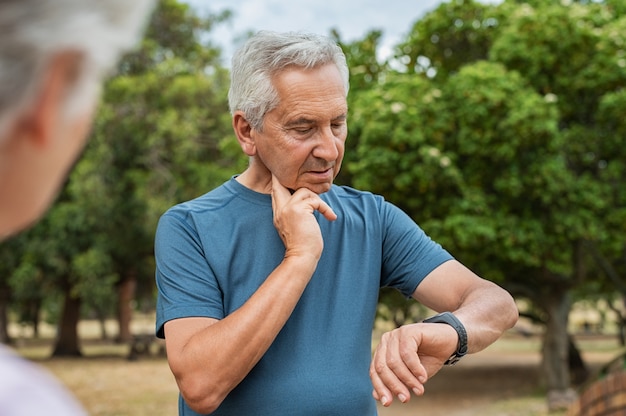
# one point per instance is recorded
(210, 357)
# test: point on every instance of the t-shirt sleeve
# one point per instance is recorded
(409, 255)
(186, 285)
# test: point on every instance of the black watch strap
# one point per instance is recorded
(450, 319)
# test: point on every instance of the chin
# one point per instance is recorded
(318, 188)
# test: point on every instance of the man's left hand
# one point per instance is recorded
(407, 357)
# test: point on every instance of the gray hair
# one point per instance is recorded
(32, 32)
(267, 53)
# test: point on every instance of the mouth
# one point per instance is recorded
(322, 174)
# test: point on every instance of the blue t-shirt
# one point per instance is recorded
(213, 253)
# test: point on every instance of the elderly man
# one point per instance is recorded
(268, 284)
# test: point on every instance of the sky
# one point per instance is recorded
(352, 18)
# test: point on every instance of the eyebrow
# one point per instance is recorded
(299, 121)
(303, 120)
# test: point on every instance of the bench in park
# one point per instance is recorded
(146, 345)
(605, 396)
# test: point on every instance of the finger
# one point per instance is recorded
(326, 210)
(380, 392)
(399, 379)
(387, 385)
(280, 194)
(416, 367)
(404, 361)
(384, 379)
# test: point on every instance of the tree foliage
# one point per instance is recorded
(501, 137)
(159, 138)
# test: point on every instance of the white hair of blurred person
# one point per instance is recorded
(54, 55)
(33, 31)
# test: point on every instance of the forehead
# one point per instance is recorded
(317, 92)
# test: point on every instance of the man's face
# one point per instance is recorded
(303, 139)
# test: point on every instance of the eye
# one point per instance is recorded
(302, 130)
(338, 126)
(338, 123)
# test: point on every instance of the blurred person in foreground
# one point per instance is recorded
(54, 55)
(268, 284)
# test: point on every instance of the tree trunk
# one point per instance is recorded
(621, 321)
(34, 314)
(102, 320)
(4, 315)
(555, 351)
(67, 343)
(579, 373)
(126, 295)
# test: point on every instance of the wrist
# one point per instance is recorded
(461, 347)
(300, 265)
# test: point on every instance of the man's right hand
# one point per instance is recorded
(210, 357)
(295, 222)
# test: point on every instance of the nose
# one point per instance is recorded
(327, 146)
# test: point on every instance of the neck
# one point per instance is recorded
(257, 181)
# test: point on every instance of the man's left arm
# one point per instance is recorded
(408, 356)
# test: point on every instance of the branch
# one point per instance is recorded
(606, 266)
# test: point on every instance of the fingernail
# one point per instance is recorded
(402, 398)
(417, 391)
(385, 401)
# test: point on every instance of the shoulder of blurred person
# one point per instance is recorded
(26, 390)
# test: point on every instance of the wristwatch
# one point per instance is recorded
(450, 319)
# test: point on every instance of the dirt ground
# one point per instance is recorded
(500, 381)
(503, 380)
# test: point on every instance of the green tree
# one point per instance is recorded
(7, 264)
(161, 135)
(506, 149)
(456, 33)
(365, 72)
(157, 140)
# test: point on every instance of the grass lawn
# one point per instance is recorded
(500, 381)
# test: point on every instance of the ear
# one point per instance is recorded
(41, 120)
(245, 133)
